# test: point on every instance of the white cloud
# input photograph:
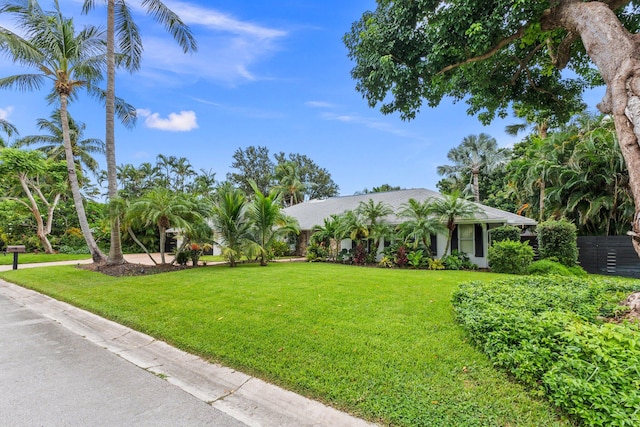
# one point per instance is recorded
(229, 49)
(319, 104)
(371, 123)
(183, 121)
(5, 112)
(218, 21)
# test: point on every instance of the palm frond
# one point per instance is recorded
(172, 23)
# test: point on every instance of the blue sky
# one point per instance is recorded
(273, 73)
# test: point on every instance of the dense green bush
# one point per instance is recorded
(548, 333)
(558, 240)
(182, 257)
(458, 261)
(545, 267)
(506, 232)
(317, 252)
(510, 257)
(71, 250)
(280, 249)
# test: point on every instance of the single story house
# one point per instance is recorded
(471, 235)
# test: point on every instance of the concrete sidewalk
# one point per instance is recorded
(132, 258)
(246, 399)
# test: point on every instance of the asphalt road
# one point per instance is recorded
(50, 376)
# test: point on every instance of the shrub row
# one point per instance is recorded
(549, 333)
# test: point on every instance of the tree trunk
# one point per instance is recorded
(144, 248)
(40, 228)
(476, 186)
(542, 197)
(115, 250)
(163, 239)
(615, 52)
(96, 254)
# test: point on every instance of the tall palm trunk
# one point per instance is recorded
(476, 185)
(542, 197)
(96, 254)
(163, 240)
(115, 250)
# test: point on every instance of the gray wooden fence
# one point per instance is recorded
(608, 255)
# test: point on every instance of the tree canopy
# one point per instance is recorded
(497, 54)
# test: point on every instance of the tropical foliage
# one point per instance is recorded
(477, 155)
(69, 61)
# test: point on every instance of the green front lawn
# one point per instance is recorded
(38, 258)
(381, 344)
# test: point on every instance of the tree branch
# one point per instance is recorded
(563, 54)
(489, 54)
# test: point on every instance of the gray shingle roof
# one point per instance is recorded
(314, 212)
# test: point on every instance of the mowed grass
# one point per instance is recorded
(380, 344)
(38, 258)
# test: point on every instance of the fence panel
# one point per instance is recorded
(608, 255)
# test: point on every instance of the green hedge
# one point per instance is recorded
(506, 232)
(548, 333)
(557, 240)
(510, 257)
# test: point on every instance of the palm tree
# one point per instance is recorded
(130, 45)
(420, 224)
(53, 146)
(164, 209)
(70, 61)
(474, 156)
(451, 208)
(372, 215)
(8, 129)
(268, 223)
(230, 222)
(329, 234)
(289, 182)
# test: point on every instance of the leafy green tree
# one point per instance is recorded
(496, 53)
(39, 182)
(268, 222)
(53, 146)
(230, 222)
(253, 164)
(451, 208)
(476, 155)
(122, 29)
(67, 59)
(419, 223)
(164, 209)
(317, 181)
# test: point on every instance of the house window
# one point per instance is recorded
(465, 235)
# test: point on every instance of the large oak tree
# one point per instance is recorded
(495, 53)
